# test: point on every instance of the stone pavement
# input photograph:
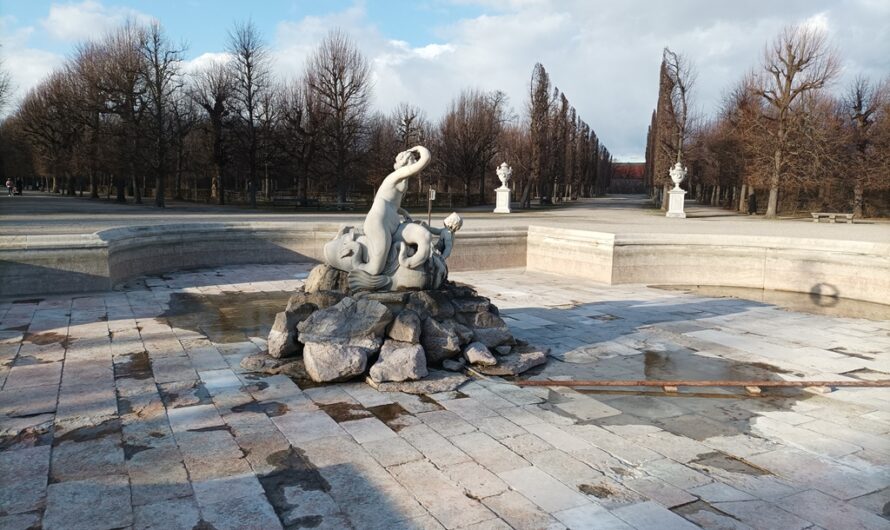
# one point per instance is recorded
(40, 213)
(128, 409)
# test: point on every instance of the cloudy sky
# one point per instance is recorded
(603, 54)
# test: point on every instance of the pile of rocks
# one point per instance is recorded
(329, 334)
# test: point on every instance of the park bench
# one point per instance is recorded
(831, 216)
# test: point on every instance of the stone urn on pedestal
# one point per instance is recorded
(677, 195)
(503, 193)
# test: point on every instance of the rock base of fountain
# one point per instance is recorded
(417, 342)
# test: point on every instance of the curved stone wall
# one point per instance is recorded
(32, 265)
(849, 269)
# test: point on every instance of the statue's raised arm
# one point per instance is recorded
(383, 218)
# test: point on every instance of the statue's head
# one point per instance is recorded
(453, 222)
(404, 158)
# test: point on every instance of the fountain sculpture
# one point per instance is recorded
(382, 299)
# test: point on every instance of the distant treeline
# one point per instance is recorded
(121, 119)
(780, 134)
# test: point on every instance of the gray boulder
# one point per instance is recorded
(326, 278)
(474, 304)
(490, 329)
(476, 353)
(440, 340)
(328, 362)
(394, 300)
(262, 363)
(352, 322)
(318, 299)
(522, 359)
(504, 349)
(406, 327)
(282, 340)
(399, 361)
(437, 381)
(464, 333)
(454, 365)
(435, 304)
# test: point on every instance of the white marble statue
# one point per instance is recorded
(382, 220)
(505, 172)
(392, 251)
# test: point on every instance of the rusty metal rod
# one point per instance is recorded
(678, 383)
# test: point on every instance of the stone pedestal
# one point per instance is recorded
(675, 203)
(503, 200)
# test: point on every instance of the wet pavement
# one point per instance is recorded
(128, 409)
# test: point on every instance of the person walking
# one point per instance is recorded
(9, 186)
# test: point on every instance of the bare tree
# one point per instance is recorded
(48, 115)
(797, 62)
(162, 80)
(123, 82)
(5, 86)
(470, 131)
(5, 89)
(250, 66)
(411, 127)
(339, 77)
(863, 103)
(682, 75)
(539, 125)
(213, 92)
(301, 121)
(183, 119)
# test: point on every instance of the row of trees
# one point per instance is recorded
(780, 133)
(123, 118)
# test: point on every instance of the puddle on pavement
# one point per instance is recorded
(47, 337)
(229, 317)
(728, 463)
(341, 412)
(689, 366)
(89, 432)
(813, 303)
(138, 366)
(393, 415)
(269, 408)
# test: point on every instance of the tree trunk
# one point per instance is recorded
(664, 197)
(743, 196)
(177, 183)
(857, 199)
(159, 190)
(773, 204)
(220, 192)
(482, 185)
(121, 189)
(137, 192)
(525, 202)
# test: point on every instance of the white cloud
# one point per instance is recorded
(204, 60)
(87, 19)
(603, 54)
(819, 21)
(26, 66)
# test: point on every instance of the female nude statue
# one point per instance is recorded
(382, 220)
